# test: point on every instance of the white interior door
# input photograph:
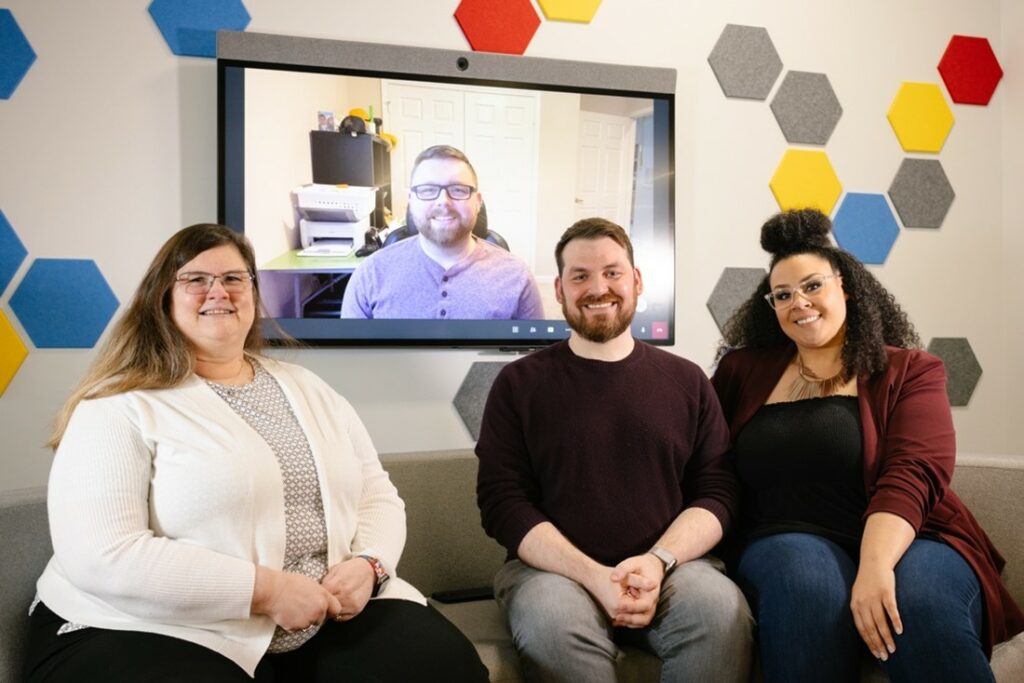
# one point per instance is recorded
(605, 170)
(501, 141)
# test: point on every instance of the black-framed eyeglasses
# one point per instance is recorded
(457, 191)
(233, 281)
(782, 298)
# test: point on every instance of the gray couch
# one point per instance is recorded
(447, 550)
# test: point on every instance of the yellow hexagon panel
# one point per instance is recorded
(920, 117)
(12, 352)
(581, 11)
(805, 180)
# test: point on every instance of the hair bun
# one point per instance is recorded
(795, 231)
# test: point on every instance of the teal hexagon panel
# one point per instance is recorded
(865, 227)
(190, 26)
(16, 54)
(64, 303)
(12, 252)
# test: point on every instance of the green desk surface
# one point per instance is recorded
(291, 261)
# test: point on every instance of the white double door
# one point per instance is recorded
(497, 129)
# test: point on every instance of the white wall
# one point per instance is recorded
(1010, 296)
(109, 146)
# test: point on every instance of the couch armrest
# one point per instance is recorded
(24, 528)
(992, 486)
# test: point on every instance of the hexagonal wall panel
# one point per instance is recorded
(920, 117)
(805, 180)
(745, 62)
(12, 352)
(921, 193)
(865, 227)
(64, 303)
(581, 11)
(506, 26)
(970, 70)
(16, 54)
(733, 288)
(472, 394)
(12, 252)
(962, 367)
(806, 108)
(190, 26)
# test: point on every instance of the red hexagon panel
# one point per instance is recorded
(507, 26)
(970, 70)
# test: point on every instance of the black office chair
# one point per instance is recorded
(480, 230)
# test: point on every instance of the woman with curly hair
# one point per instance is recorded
(844, 443)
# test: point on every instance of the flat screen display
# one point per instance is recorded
(317, 140)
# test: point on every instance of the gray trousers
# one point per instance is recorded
(701, 631)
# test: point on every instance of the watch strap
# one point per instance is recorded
(667, 558)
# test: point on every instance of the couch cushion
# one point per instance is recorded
(446, 547)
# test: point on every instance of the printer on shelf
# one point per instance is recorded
(333, 219)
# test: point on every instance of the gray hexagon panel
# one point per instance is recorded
(962, 367)
(472, 394)
(734, 287)
(921, 193)
(806, 108)
(745, 62)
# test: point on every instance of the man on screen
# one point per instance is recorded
(602, 473)
(445, 272)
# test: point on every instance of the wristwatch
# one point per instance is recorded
(667, 558)
(379, 572)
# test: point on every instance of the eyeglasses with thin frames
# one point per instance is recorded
(457, 191)
(784, 297)
(233, 281)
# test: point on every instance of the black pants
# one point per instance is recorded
(391, 640)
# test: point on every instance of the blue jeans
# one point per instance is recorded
(798, 586)
(700, 632)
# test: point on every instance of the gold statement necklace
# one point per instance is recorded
(808, 385)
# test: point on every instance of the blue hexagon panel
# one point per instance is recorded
(12, 252)
(865, 227)
(190, 26)
(16, 55)
(64, 303)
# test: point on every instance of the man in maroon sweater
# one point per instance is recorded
(602, 473)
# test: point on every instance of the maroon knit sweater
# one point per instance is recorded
(610, 453)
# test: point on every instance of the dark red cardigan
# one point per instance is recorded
(909, 453)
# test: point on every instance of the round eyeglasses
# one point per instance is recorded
(233, 281)
(458, 192)
(782, 298)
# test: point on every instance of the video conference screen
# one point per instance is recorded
(315, 168)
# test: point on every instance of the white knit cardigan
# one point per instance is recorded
(161, 504)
